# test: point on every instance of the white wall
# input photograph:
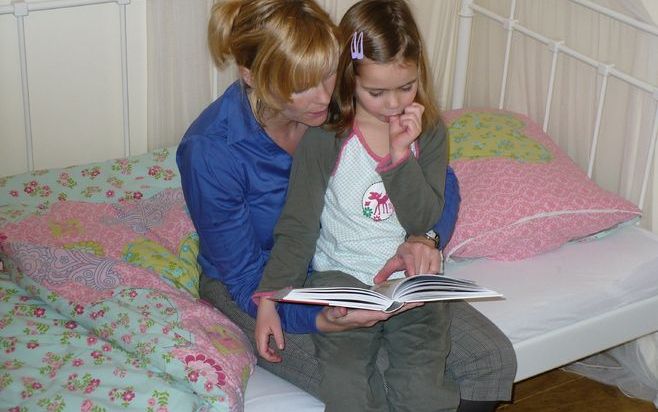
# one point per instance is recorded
(437, 25)
(74, 77)
(652, 8)
(74, 85)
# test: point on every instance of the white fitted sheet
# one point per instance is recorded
(559, 307)
(570, 284)
(267, 392)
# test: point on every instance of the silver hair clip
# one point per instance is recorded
(357, 46)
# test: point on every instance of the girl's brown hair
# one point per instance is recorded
(390, 35)
(288, 45)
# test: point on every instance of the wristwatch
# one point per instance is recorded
(434, 237)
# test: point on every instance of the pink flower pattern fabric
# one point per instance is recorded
(116, 180)
(521, 195)
(76, 263)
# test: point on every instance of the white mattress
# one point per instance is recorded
(267, 392)
(575, 301)
(573, 283)
(558, 307)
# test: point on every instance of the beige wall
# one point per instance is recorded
(652, 8)
(76, 101)
(75, 89)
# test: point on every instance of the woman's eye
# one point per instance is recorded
(407, 88)
(375, 94)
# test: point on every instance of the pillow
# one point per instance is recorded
(521, 195)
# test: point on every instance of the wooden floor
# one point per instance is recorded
(560, 391)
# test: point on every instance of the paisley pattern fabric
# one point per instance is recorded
(521, 195)
(61, 266)
(143, 216)
(99, 311)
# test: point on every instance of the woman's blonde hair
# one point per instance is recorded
(288, 45)
(390, 35)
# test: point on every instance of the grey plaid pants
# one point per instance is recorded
(481, 360)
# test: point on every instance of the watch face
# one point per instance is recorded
(431, 235)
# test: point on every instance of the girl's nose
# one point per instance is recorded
(392, 101)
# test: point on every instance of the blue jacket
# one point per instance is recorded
(235, 179)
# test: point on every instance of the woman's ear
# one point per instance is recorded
(245, 74)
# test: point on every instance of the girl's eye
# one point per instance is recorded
(376, 94)
(407, 88)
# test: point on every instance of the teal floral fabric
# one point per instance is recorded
(99, 307)
(116, 180)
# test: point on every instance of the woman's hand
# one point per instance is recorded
(339, 319)
(268, 324)
(414, 256)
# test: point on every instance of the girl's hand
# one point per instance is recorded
(268, 324)
(403, 129)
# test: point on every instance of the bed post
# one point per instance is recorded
(461, 59)
(21, 10)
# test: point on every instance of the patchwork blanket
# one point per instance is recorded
(99, 306)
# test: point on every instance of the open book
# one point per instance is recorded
(391, 295)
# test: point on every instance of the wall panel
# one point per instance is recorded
(75, 86)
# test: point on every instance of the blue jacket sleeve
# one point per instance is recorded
(446, 225)
(229, 249)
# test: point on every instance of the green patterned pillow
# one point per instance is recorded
(480, 135)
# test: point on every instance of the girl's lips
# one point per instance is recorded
(388, 118)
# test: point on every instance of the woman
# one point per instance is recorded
(235, 162)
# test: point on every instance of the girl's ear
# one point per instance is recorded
(245, 74)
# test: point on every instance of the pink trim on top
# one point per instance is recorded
(385, 164)
(359, 135)
(257, 296)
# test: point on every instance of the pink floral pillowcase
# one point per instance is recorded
(521, 195)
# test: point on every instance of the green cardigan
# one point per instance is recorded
(418, 206)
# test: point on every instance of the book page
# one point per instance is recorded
(388, 287)
(336, 296)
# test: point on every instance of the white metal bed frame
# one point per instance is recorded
(562, 346)
(468, 10)
(578, 340)
(21, 9)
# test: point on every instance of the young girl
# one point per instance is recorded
(352, 199)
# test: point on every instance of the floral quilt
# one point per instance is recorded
(116, 180)
(98, 296)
